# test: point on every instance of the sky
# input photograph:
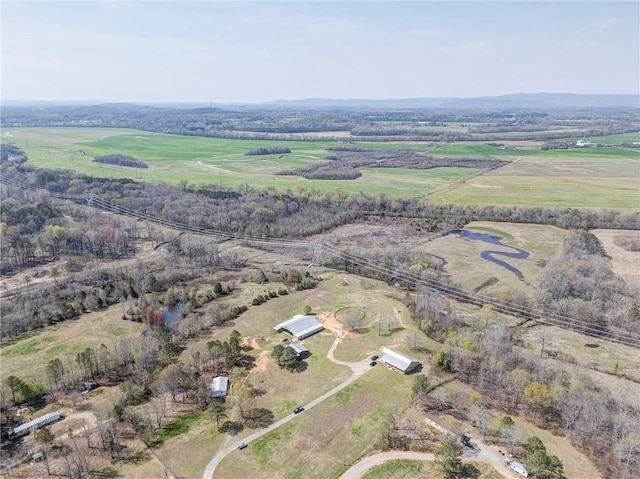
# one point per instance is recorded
(248, 52)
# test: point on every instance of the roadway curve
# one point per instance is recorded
(485, 454)
(481, 453)
(358, 369)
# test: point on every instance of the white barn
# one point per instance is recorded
(219, 387)
(403, 363)
(300, 326)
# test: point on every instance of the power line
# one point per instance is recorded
(611, 334)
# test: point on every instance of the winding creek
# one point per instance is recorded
(490, 255)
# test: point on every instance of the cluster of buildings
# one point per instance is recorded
(302, 326)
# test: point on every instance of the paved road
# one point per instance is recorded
(482, 452)
(358, 368)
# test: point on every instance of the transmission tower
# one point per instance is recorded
(317, 263)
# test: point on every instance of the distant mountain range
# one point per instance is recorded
(517, 100)
(513, 101)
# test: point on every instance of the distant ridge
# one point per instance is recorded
(516, 100)
(513, 101)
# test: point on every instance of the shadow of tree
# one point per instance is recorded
(469, 471)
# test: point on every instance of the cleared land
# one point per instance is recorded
(589, 177)
(27, 356)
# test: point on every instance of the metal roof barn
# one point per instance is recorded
(399, 361)
(300, 326)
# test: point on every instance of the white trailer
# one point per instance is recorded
(37, 423)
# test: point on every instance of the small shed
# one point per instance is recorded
(300, 326)
(301, 351)
(219, 387)
(401, 362)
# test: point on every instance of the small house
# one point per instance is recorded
(219, 387)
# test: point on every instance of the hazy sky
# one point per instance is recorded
(201, 51)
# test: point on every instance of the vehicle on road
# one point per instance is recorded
(374, 357)
(242, 445)
(298, 410)
(372, 363)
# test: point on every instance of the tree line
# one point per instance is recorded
(120, 160)
(557, 395)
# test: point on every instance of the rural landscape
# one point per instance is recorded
(321, 291)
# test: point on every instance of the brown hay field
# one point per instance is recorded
(624, 262)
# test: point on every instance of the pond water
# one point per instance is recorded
(490, 255)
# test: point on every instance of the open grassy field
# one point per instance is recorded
(590, 177)
(574, 179)
(349, 421)
(28, 355)
(322, 442)
(466, 267)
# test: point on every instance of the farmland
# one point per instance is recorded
(585, 178)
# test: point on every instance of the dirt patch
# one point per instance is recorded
(330, 322)
(261, 363)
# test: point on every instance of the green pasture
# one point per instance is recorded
(348, 421)
(401, 469)
(407, 469)
(485, 150)
(556, 178)
(481, 149)
(586, 177)
(466, 267)
(324, 441)
(562, 192)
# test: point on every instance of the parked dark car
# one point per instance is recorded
(372, 363)
(298, 410)
(374, 357)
